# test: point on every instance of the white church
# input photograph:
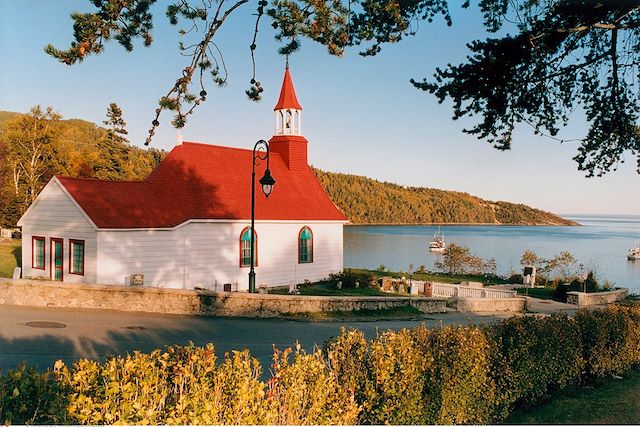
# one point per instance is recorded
(187, 224)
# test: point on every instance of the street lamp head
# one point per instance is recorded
(267, 183)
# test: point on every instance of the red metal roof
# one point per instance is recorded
(287, 94)
(200, 181)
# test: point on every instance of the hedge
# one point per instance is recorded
(448, 375)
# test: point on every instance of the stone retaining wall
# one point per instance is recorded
(469, 305)
(37, 293)
(582, 299)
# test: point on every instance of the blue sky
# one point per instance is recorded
(361, 115)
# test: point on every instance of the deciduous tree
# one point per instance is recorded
(30, 139)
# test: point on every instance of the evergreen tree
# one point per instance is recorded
(115, 163)
(116, 126)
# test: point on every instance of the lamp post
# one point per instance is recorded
(260, 152)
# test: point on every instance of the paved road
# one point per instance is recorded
(96, 334)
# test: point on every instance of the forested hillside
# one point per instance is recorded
(38, 145)
(367, 201)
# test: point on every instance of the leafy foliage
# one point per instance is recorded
(367, 201)
(447, 375)
(458, 260)
(566, 54)
(353, 278)
(30, 397)
(335, 24)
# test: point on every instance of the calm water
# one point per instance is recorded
(601, 243)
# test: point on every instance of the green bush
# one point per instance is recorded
(516, 278)
(589, 284)
(535, 358)
(353, 279)
(610, 339)
(30, 397)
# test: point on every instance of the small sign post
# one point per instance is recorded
(529, 275)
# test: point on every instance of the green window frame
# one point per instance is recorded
(305, 246)
(245, 248)
(76, 257)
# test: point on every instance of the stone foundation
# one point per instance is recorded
(40, 293)
(582, 299)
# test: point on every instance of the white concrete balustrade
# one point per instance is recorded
(448, 290)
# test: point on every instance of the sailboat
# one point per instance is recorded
(437, 244)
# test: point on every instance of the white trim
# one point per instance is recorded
(228, 221)
(64, 190)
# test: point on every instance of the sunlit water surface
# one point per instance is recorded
(600, 243)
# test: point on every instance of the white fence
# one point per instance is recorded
(448, 290)
(5, 233)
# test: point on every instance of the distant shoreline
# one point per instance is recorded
(470, 224)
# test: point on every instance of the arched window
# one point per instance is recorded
(245, 248)
(305, 245)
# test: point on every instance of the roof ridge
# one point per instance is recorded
(77, 178)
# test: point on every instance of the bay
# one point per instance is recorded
(600, 244)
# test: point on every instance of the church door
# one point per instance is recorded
(57, 261)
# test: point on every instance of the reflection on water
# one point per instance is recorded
(600, 244)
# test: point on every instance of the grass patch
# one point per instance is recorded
(10, 258)
(405, 312)
(612, 402)
(438, 277)
(325, 289)
(542, 293)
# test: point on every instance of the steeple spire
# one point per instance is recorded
(288, 110)
(287, 140)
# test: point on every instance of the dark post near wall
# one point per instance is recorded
(260, 152)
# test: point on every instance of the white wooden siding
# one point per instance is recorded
(54, 214)
(202, 254)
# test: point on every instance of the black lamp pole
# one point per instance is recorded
(260, 152)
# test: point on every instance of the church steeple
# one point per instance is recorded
(287, 140)
(288, 110)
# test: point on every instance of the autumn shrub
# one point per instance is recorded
(349, 359)
(398, 376)
(182, 385)
(446, 375)
(31, 397)
(458, 386)
(303, 391)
